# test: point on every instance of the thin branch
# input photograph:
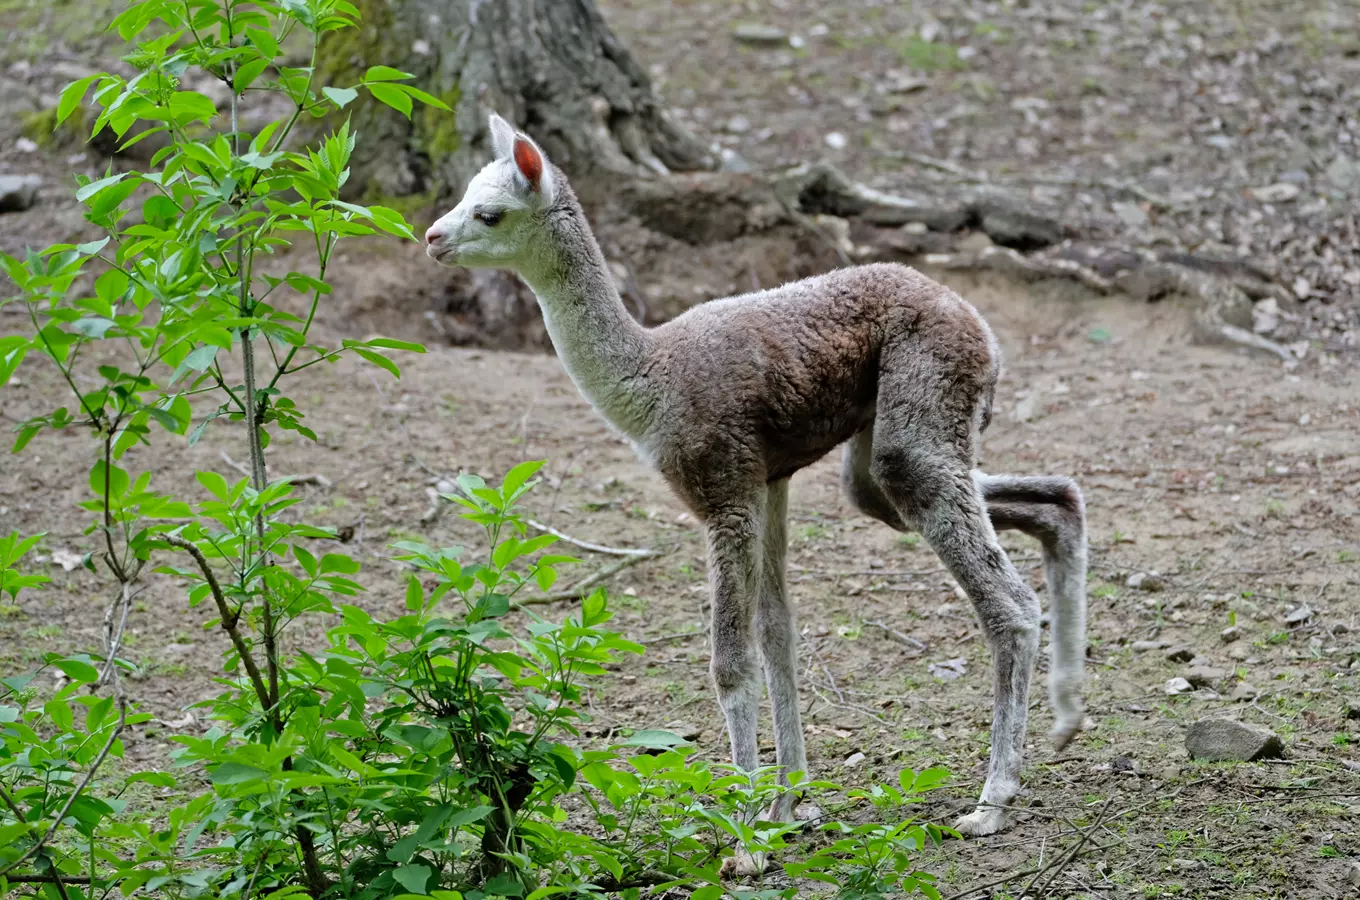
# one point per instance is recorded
(229, 619)
(898, 636)
(1014, 876)
(1066, 860)
(587, 545)
(583, 587)
(80, 789)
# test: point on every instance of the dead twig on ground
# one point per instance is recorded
(898, 636)
(583, 587)
(587, 545)
(315, 478)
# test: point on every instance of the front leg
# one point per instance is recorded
(733, 571)
(778, 649)
(734, 551)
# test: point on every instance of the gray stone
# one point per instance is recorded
(1344, 174)
(1280, 192)
(1178, 686)
(738, 124)
(1131, 214)
(853, 760)
(1144, 646)
(1230, 634)
(1298, 616)
(1244, 691)
(1180, 654)
(18, 192)
(1228, 740)
(1009, 225)
(1353, 875)
(1146, 581)
(1205, 676)
(758, 33)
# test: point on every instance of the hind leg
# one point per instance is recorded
(1050, 509)
(921, 458)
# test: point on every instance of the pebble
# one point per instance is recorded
(1179, 685)
(1230, 634)
(1244, 691)
(1144, 646)
(1131, 214)
(1228, 740)
(1280, 192)
(738, 124)
(757, 33)
(18, 192)
(836, 141)
(854, 759)
(1298, 616)
(1146, 581)
(24, 145)
(1205, 676)
(1180, 654)
(444, 486)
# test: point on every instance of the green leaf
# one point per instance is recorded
(393, 95)
(378, 360)
(654, 739)
(59, 711)
(113, 284)
(246, 75)
(386, 73)
(391, 344)
(191, 106)
(236, 773)
(77, 670)
(413, 877)
(71, 95)
(427, 99)
(111, 197)
(415, 594)
(216, 484)
(263, 41)
(519, 475)
(201, 358)
(341, 97)
(111, 478)
(93, 326)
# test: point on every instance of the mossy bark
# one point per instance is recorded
(552, 67)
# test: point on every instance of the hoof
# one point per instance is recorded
(1064, 731)
(981, 822)
(742, 865)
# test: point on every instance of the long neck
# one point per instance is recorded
(601, 346)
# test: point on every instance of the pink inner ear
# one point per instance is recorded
(529, 161)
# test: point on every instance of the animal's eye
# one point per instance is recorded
(489, 219)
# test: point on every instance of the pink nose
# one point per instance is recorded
(433, 235)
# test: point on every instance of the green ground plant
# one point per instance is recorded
(431, 754)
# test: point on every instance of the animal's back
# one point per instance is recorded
(792, 371)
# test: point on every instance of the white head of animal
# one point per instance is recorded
(498, 223)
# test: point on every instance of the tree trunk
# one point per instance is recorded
(552, 67)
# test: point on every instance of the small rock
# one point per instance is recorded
(1344, 174)
(1124, 766)
(1010, 224)
(1205, 676)
(1225, 739)
(1026, 407)
(975, 243)
(1353, 875)
(916, 228)
(1298, 616)
(1180, 654)
(1230, 634)
(757, 33)
(1146, 581)
(949, 669)
(684, 730)
(1131, 214)
(836, 141)
(1201, 661)
(853, 760)
(1341, 628)
(24, 145)
(18, 192)
(1280, 192)
(1144, 646)
(1239, 653)
(444, 486)
(1244, 691)
(67, 559)
(738, 124)
(1221, 141)
(732, 161)
(1178, 686)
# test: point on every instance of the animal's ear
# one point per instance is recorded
(502, 137)
(533, 166)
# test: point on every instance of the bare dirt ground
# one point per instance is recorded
(1234, 480)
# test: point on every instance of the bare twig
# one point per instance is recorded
(678, 636)
(587, 545)
(583, 587)
(1064, 861)
(315, 478)
(75, 794)
(229, 618)
(898, 636)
